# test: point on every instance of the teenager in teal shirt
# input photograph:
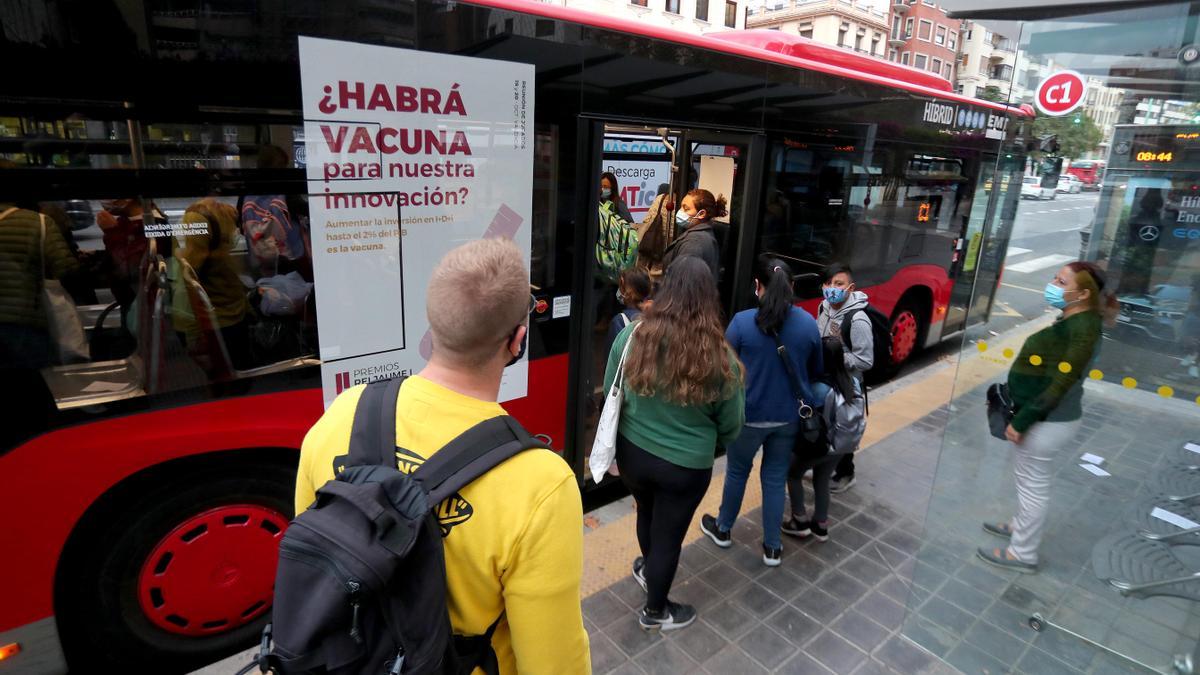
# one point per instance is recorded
(683, 397)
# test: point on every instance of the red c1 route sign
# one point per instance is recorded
(1060, 93)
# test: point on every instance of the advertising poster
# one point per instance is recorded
(408, 154)
(641, 165)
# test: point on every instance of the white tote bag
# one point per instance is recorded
(62, 318)
(604, 447)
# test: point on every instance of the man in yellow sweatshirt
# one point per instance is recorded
(514, 537)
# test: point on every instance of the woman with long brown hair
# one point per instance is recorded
(683, 396)
(1046, 384)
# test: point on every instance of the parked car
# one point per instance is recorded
(1068, 184)
(1031, 188)
(1158, 315)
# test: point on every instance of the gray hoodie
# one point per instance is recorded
(829, 323)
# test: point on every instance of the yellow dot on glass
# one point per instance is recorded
(1008, 353)
(1129, 383)
(981, 346)
(1035, 360)
(1096, 375)
(1198, 400)
(1064, 367)
(1165, 391)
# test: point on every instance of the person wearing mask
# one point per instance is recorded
(518, 554)
(633, 292)
(696, 213)
(838, 388)
(1046, 384)
(610, 193)
(772, 419)
(655, 231)
(843, 301)
(683, 397)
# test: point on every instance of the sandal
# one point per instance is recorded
(999, 529)
(1000, 557)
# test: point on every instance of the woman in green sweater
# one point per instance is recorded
(1046, 382)
(683, 396)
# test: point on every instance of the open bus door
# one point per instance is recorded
(647, 162)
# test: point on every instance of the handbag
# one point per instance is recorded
(810, 441)
(1000, 409)
(62, 318)
(604, 446)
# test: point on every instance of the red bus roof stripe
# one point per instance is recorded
(724, 45)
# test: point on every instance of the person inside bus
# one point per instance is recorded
(772, 418)
(205, 262)
(32, 250)
(124, 236)
(683, 397)
(272, 224)
(633, 292)
(696, 213)
(654, 233)
(1046, 384)
(610, 193)
(842, 301)
(518, 554)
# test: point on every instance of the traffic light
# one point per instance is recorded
(1078, 119)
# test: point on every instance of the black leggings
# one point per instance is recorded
(667, 496)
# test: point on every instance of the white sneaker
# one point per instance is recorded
(842, 484)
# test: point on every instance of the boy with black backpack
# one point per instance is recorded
(398, 476)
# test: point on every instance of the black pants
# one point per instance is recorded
(845, 466)
(667, 496)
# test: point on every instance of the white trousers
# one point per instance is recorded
(1033, 469)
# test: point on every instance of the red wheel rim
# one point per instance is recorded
(904, 336)
(214, 572)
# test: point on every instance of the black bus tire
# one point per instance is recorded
(102, 620)
(910, 315)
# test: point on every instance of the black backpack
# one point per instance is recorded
(881, 337)
(361, 583)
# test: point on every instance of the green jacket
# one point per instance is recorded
(1044, 392)
(20, 265)
(685, 435)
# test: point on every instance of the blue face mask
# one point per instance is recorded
(605, 193)
(834, 295)
(682, 217)
(1055, 297)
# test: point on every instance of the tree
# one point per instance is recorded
(1076, 133)
(992, 93)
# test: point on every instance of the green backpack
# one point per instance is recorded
(616, 243)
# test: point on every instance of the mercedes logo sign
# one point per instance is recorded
(1148, 232)
(1189, 55)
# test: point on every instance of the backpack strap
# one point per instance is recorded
(847, 322)
(475, 452)
(373, 435)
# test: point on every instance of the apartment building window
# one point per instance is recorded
(640, 3)
(806, 30)
(939, 36)
(895, 26)
(983, 66)
(925, 30)
(964, 60)
(904, 58)
(930, 3)
(730, 14)
(845, 28)
(875, 43)
(1002, 72)
(672, 6)
(892, 55)
(921, 61)
(935, 65)
(953, 42)
(702, 10)
(946, 71)
(858, 39)
(908, 27)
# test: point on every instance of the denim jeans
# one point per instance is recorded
(776, 443)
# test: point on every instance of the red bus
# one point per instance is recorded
(1089, 171)
(147, 480)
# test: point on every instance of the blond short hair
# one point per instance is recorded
(478, 294)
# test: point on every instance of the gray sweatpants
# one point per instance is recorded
(1033, 469)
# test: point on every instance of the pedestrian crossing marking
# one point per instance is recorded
(1017, 250)
(1036, 264)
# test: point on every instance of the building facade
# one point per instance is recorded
(859, 25)
(922, 36)
(691, 16)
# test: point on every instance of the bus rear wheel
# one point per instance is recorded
(906, 332)
(184, 579)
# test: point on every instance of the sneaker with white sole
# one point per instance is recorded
(708, 525)
(841, 484)
(772, 557)
(673, 617)
(795, 527)
(639, 571)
